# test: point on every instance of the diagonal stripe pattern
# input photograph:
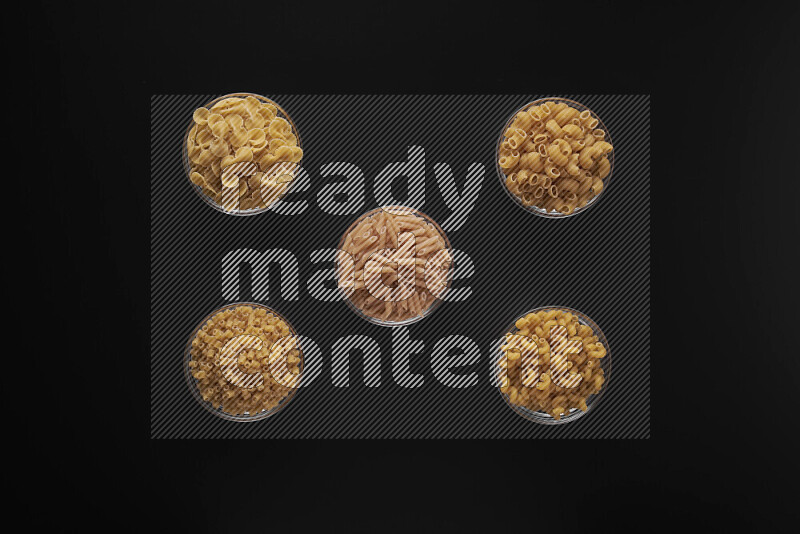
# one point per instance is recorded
(602, 269)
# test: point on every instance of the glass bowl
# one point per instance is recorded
(535, 209)
(437, 300)
(574, 413)
(187, 163)
(219, 412)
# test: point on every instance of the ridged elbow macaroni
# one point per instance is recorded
(559, 142)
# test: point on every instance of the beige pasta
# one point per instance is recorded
(559, 152)
(523, 121)
(518, 138)
(603, 168)
(532, 161)
(573, 131)
(554, 129)
(510, 160)
(565, 115)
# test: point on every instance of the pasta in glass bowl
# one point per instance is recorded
(241, 153)
(394, 265)
(552, 365)
(243, 362)
(555, 158)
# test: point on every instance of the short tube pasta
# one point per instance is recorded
(573, 131)
(559, 152)
(532, 161)
(518, 138)
(603, 168)
(566, 115)
(510, 159)
(554, 129)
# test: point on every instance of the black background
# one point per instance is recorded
(724, 369)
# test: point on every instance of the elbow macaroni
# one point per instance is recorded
(550, 362)
(555, 140)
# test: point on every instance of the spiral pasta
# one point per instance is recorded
(555, 141)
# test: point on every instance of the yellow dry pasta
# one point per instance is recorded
(245, 360)
(558, 141)
(551, 362)
(241, 129)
